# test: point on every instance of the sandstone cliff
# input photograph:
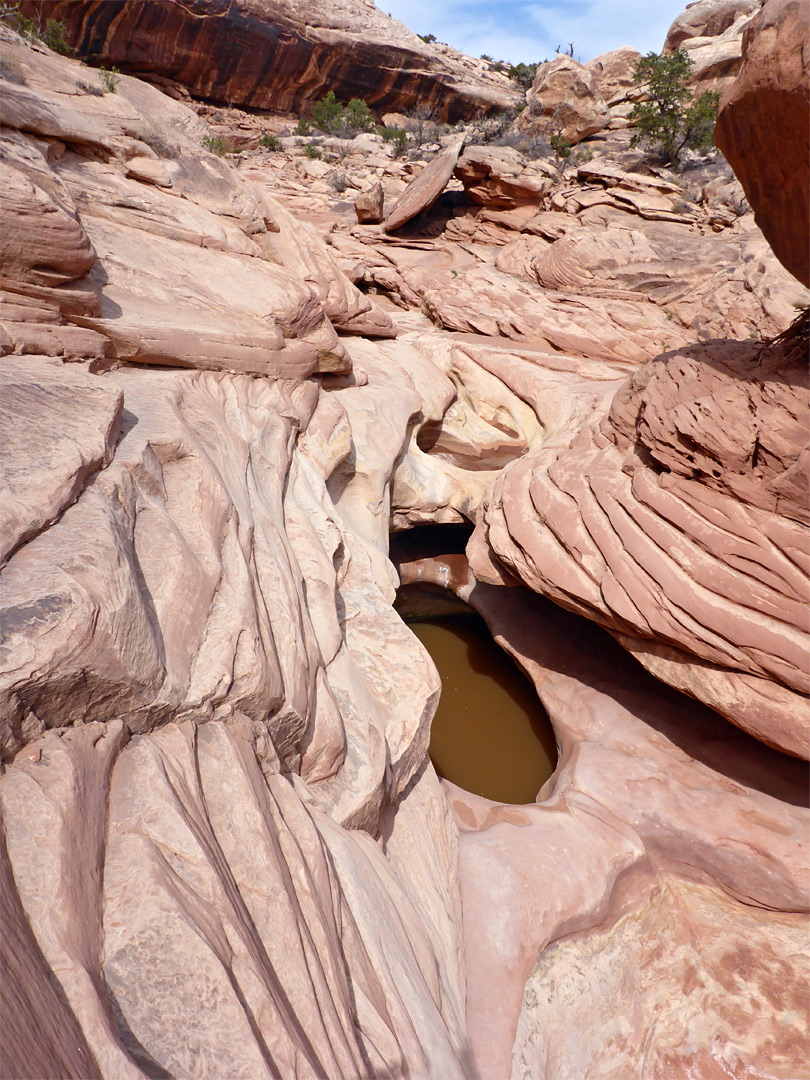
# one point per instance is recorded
(281, 54)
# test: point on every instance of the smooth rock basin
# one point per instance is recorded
(490, 735)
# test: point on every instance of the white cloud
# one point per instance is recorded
(530, 30)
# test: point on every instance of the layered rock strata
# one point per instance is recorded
(696, 998)
(281, 54)
(228, 851)
(711, 32)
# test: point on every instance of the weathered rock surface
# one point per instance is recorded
(48, 450)
(498, 176)
(423, 192)
(564, 101)
(706, 982)
(369, 206)
(705, 19)
(281, 54)
(762, 129)
(641, 519)
(654, 901)
(711, 33)
(27, 990)
(229, 852)
(612, 73)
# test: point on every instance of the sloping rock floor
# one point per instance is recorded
(229, 853)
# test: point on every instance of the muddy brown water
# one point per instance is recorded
(490, 734)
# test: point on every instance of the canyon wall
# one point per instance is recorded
(225, 849)
(281, 55)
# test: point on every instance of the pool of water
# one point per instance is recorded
(490, 734)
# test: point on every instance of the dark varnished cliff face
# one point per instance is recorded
(280, 54)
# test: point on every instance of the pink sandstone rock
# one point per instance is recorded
(224, 834)
(423, 192)
(641, 523)
(498, 176)
(762, 129)
(612, 72)
(564, 100)
(292, 54)
(617, 867)
(369, 205)
(56, 430)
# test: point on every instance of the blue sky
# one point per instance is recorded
(530, 30)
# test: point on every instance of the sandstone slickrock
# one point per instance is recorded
(614, 866)
(229, 853)
(762, 129)
(49, 449)
(424, 190)
(281, 54)
(27, 990)
(640, 537)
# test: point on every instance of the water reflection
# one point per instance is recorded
(490, 734)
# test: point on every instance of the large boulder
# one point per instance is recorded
(711, 33)
(762, 129)
(706, 19)
(422, 192)
(370, 205)
(565, 101)
(612, 72)
(499, 176)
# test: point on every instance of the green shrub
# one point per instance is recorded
(27, 28)
(331, 116)
(109, 79)
(312, 151)
(268, 142)
(357, 116)
(427, 38)
(215, 144)
(302, 127)
(398, 138)
(522, 74)
(327, 114)
(560, 145)
(54, 37)
(54, 34)
(485, 56)
(338, 180)
(672, 119)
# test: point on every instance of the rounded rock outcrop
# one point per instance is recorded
(762, 129)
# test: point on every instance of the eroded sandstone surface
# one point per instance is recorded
(225, 849)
